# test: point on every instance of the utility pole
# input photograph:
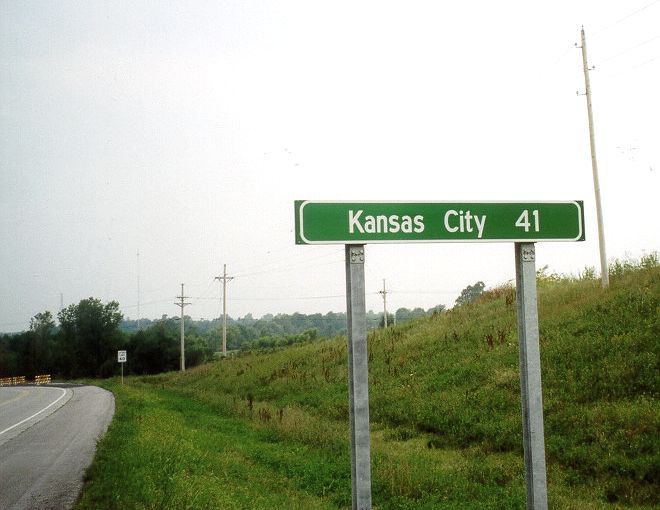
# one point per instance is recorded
(182, 304)
(605, 278)
(384, 293)
(138, 290)
(224, 278)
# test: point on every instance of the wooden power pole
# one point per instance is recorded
(384, 293)
(182, 303)
(605, 279)
(224, 279)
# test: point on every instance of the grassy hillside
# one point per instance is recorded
(445, 411)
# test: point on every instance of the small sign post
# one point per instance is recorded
(358, 377)
(530, 376)
(121, 359)
(524, 223)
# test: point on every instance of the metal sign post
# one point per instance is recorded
(530, 377)
(121, 359)
(358, 378)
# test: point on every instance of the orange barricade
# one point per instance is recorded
(42, 379)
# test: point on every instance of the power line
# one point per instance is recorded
(330, 296)
(256, 257)
(617, 55)
(206, 292)
(424, 292)
(157, 301)
(647, 62)
(292, 298)
(628, 16)
(292, 267)
(277, 262)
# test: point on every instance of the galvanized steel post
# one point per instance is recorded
(358, 378)
(530, 377)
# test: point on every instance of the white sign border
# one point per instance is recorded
(428, 241)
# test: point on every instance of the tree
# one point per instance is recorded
(155, 349)
(89, 338)
(403, 315)
(42, 324)
(470, 293)
(390, 320)
(435, 310)
(8, 357)
(40, 340)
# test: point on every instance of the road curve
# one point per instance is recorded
(47, 439)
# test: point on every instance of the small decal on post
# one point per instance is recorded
(528, 254)
(357, 255)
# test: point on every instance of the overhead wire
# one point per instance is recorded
(274, 270)
(288, 298)
(145, 303)
(616, 55)
(285, 269)
(425, 292)
(247, 269)
(625, 18)
(285, 265)
(647, 62)
(256, 256)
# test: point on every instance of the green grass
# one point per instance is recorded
(269, 429)
(167, 451)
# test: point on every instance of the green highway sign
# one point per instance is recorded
(319, 222)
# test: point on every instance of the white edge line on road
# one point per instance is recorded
(38, 412)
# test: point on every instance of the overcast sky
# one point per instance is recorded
(186, 130)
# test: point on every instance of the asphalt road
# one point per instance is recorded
(47, 439)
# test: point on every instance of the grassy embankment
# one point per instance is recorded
(269, 429)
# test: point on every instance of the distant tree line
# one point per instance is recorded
(85, 340)
(247, 331)
(81, 346)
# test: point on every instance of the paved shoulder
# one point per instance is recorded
(42, 467)
(23, 406)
